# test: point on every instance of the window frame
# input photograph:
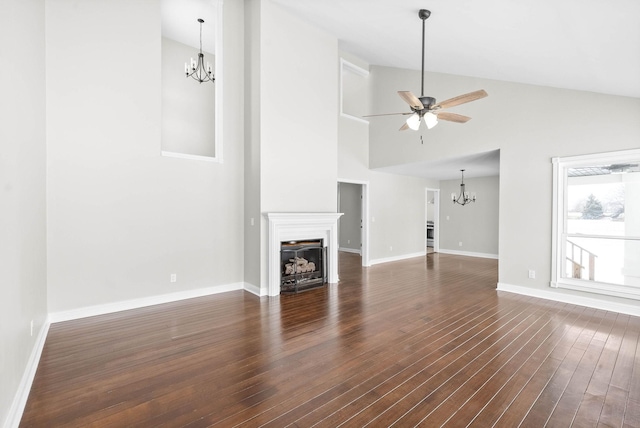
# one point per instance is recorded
(559, 223)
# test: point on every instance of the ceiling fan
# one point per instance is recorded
(426, 107)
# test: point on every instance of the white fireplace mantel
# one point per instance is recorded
(298, 226)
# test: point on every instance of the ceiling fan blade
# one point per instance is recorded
(411, 99)
(386, 114)
(453, 117)
(461, 99)
(404, 127)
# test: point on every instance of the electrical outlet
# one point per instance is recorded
(390, 248)
(173, 277)
(348, 241)
(460, 244)
(532, 274)
(252, 221)
(31, 327)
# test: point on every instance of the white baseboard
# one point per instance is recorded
(108, 308)
(22, 394)
(469, 254)
(254, 289)
(349, 250)
(397, 258)
(20, 400)
(589, 302)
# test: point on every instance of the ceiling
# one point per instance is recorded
(180, 22)
(476, 165)
(585, 45)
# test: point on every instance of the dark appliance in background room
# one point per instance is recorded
(303, 265)
(429, 233)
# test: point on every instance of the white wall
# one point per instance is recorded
(121, 217)
(252, 165)
(397, 224)
(23, 292)
(298, 133)
(530, 125)
(475, 224)
(298, 111)
(396, 203)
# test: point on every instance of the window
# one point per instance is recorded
(596, 223)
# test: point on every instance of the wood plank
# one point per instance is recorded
(425, 341)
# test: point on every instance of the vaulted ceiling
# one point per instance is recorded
(586, 45)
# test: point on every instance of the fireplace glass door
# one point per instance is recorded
(303, 265)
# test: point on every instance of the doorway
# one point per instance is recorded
(353, 233)
(432, 220)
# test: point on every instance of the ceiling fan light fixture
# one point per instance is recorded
(414, 121)
(425, 106)
(430, 120)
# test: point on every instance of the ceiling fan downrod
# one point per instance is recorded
(426, 107)
(423, 14)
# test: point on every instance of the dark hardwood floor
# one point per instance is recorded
(426, 341)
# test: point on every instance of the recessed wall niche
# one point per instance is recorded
(191, 110)
(354, 98)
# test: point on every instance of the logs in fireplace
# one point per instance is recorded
(302, 265)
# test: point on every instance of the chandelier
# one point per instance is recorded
(464, 197)
(197, 69)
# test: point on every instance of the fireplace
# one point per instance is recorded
(302, 265)
(286, 227)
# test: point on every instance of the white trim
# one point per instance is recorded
(557, 221)
(346, 65)
(254, 289)
(191, 157)
(469, 254)
(559, 225)
(294, 226)
(24, 388)
(349, 250)
(22, 394)
(581, 160)
(436, 217)
(590, 302)
(617, 290)
(398, 258)
(108, 308)
(219, 98)
(365, 217)
(219, 65)
(356, 118)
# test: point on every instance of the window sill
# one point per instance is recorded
(626, 291)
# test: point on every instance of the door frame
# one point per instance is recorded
(365, 216)
(436, 217)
